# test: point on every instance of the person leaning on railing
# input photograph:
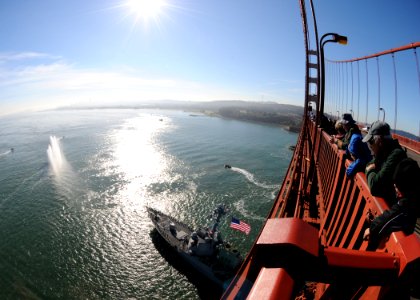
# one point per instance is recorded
(339, 127)
(387, 154)
(403, 214)
(350, 127)
(359, 152)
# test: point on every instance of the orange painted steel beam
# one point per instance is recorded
(341, 215)
(358, 222)
(237, 283)
(408, 143)
(291, 231)
(351, 268)
(409, 248)
(272, 284)
(349, 214)
(355, 259)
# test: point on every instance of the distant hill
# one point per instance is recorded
(289, 116)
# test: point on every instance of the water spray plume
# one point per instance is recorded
(55, 156)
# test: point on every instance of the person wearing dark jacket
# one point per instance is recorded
(387, 154)
(403, 214)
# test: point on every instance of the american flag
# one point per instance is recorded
(239, 225)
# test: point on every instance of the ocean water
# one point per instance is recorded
(73, 193)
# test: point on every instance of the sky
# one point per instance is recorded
(57, 53)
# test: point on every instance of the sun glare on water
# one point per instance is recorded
(138, 158)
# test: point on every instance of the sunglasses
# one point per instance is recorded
(371, 141)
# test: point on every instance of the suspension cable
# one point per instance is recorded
(347, 87)
(367, 92)
(396, 93)
(358, 89)
(418, 74)
(336, 89)
(351, 64)
(342, 89)
(340, 83)
(379, 87)
(418, 68)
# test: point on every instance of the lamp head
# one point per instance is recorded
(340, 39)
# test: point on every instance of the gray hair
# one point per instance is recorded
(382, 137)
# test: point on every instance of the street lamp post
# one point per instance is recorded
(335, 38)
(383, 119)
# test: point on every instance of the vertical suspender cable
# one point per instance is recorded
(336, 89)
(327, 93)
(343, 91)
(351, 64)
(418, 74)
(418, 68)
(358, 89)
(367, 92)
(396, 92)
(347, 87)
(330, 94)
(333, 99)
(339, 88)
(379, 87)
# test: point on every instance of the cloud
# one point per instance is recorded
(33, 80)
(18, 56)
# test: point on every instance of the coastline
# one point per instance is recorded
(286, 116)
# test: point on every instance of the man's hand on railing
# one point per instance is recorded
(366, 234)
(370, 167)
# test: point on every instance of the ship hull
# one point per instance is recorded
(179, 236)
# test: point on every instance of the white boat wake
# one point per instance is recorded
(245, 213)
(251, 178)
(6, 153)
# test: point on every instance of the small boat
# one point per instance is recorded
(228, 166)
(203, 249)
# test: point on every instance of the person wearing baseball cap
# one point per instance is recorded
(387, 154)
(402, 216)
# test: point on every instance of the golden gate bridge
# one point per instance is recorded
(311, 245)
